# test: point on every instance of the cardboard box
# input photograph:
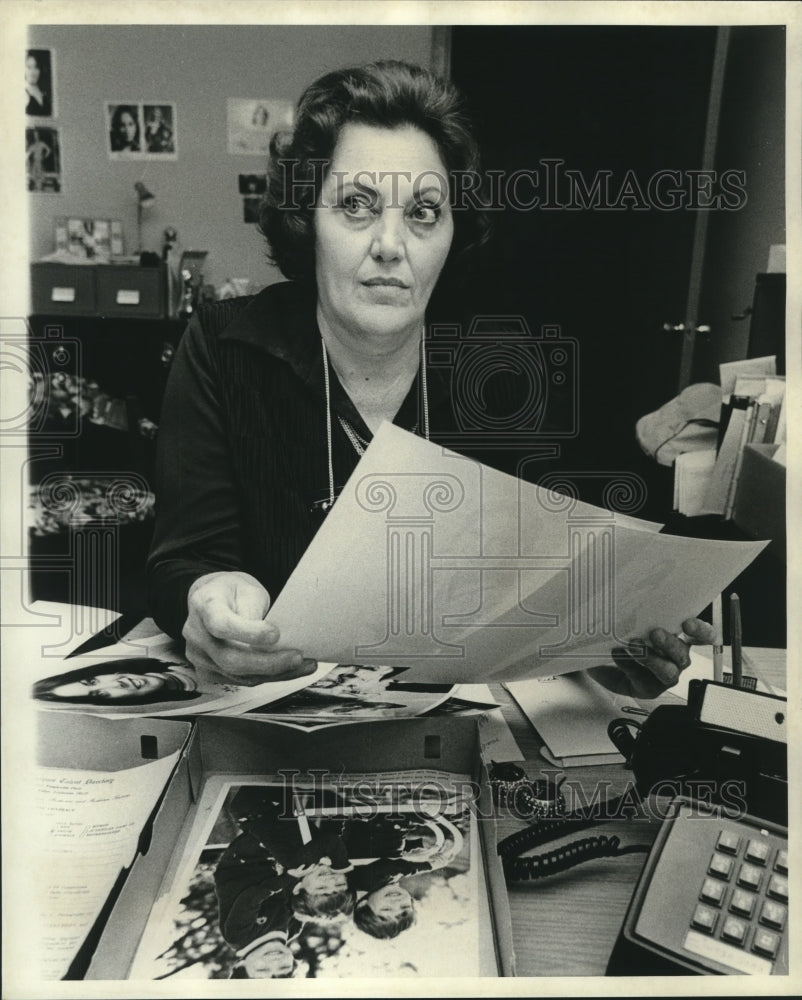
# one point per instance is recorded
(218, 747)
(760, 500)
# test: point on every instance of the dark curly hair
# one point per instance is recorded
(44, 690)
(387, 94)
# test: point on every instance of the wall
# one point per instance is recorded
(751, 138)
(198, 68)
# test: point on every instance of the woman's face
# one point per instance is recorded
(108, 687)
(383, 229)
(126, 127)
(31, 70)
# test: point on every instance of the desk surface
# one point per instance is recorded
(567, 924)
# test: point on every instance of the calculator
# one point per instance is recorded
(712, 898)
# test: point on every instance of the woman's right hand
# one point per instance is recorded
(227, 638)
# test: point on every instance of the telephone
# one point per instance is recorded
(713, 895)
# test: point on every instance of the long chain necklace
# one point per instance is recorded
(358, 442)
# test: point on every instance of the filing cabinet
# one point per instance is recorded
(119, 290)
(63, 289)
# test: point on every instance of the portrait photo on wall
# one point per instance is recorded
(40, 97)
(125, 128)
(282, 881)
(251, 123)
(43, 159)
(160, 138)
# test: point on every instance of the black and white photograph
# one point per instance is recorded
(251, 124)
(40, 80)
(125, 129)
(43, 159)
(353, 692)
(412, 389)
(300, 884)
(160, 136)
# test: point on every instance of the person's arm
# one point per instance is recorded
(197, 512)
(197, 588)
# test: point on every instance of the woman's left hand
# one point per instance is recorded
(665, 657)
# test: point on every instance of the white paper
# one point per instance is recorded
(85, 830)
(461, 573)
(571, 713)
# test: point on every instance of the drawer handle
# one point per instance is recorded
(59, 294)
(127, 296)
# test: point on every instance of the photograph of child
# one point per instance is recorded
(299, 884)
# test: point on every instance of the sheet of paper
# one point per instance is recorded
(495, 738)
(730, 370)
(85, 830)
(52, 629)
(461, 573)
(571, 713)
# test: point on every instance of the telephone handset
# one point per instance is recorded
(713, 894)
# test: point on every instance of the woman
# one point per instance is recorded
(124, 131)
(37, 98)
(138, 680)
(272, 399)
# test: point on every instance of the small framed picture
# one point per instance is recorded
(40, 76)
(251, 123)
(160, 138)
(43, 159)
(125, 130)
(89, 239)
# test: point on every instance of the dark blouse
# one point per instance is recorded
(242, 461)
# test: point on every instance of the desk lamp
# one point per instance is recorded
(144, 199)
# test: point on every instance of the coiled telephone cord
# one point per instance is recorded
(561, 858)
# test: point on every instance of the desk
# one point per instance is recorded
(566, 925)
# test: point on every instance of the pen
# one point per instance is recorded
(718, 641)
(735, 633)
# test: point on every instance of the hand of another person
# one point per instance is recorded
(227, 638)
(666, 656)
